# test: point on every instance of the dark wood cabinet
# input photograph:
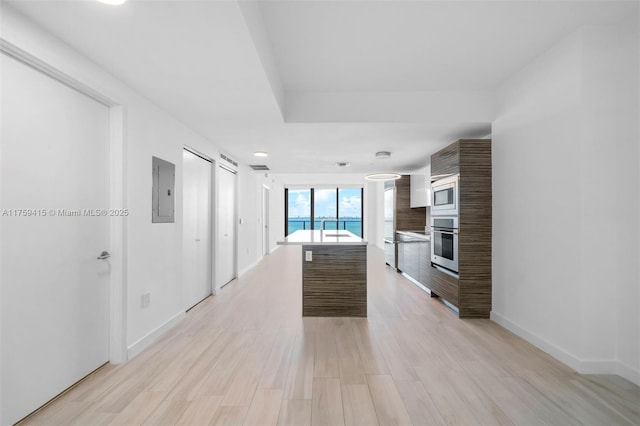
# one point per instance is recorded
(471, 291)
(444, 285)
(446, 161)
(406, 218)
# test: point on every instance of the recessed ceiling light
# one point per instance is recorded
(112, 2)
(343, 164)
(382, 176)
(261, 154)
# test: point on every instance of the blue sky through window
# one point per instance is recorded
(350, 202)
(325, 203)
(299, 203)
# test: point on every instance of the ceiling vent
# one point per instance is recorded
(259, 167)
(229, 160)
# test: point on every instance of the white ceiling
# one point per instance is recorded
(417, 45)
(315, 82)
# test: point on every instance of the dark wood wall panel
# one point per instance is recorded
(334, 283)
(475, 228)
(445, 161)
(471, 158)
(408, 219)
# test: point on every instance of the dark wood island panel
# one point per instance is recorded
(334, 283)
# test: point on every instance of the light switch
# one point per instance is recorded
(308, 255)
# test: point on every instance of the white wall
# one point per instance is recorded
(276, 209)
(153, 251)
(250, 211)
(566, 189)
(375, 208)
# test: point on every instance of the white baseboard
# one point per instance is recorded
(145, 341)
(249, 267)
(628, 373)
(550, 348)
(582, 366)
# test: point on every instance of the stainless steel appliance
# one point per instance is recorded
(444, 243)
(391, 253)
(445, 196)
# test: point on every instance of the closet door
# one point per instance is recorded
(226, 226)
(197, 251)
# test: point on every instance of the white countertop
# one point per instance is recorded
(329, 237)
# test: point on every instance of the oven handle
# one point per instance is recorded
(445, 271)
(452, 232)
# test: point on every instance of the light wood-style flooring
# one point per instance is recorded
(246, 356)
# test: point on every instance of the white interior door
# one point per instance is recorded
(197, 252)
(226, 226)
(265, 220)
(55, 292)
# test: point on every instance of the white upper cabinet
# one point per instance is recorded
(421, 189)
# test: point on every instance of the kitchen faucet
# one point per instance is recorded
(333, 219)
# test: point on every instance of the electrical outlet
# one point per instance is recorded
(146, 300)
(308, 255)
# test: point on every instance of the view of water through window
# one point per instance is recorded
(339, 208)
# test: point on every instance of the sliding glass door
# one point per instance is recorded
(297, 210)
(324, 208)
(350, 210)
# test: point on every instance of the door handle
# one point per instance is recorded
(104, 255)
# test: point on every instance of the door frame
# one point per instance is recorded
(266, 200)
(117, 191)
(214, 204)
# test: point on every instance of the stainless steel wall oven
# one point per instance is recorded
(444, 243)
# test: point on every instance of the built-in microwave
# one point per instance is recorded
(444, 196)
(444, 242)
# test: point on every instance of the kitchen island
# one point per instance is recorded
(334, 272)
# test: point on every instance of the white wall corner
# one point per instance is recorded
(248, 267)
(582, 366)
(257, 30)
(539, 342)
(628, 372)
(143, 343)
